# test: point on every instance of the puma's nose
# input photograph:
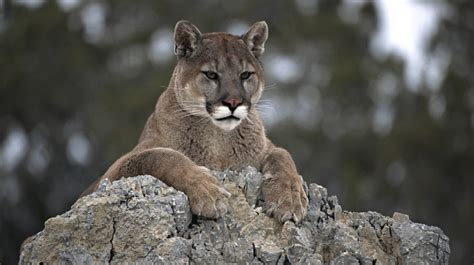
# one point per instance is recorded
(232, 103)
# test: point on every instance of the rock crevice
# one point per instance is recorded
(141, 219)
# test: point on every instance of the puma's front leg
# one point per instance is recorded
(282, 187)
(207, 197)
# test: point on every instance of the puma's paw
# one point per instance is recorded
(207, 197)
(285, 198)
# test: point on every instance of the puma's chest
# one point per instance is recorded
(220, 152)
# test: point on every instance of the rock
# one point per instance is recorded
(142, 220)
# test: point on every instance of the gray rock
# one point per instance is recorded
(142, 220)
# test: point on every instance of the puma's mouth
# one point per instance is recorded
(227, 119)
(230, 117)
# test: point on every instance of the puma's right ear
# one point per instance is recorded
(255, 38)
(186, 39)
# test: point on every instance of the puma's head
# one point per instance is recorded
(218, 75)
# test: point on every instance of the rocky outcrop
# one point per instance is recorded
(142, 220)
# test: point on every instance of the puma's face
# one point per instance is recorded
(220, 77)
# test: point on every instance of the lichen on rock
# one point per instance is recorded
(142, 220)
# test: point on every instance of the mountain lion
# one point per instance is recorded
(207, 120)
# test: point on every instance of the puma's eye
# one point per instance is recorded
(211, 75)
(245, 75)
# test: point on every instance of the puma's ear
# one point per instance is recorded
(255, 38)
(186, 39)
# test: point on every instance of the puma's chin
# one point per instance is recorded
(227, 124)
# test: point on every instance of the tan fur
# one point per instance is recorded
(181, 140)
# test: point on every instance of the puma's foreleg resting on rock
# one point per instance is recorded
(207, 120)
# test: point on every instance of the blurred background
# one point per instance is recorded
(374, 100)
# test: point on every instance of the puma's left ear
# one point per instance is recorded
(187, 39)
(255, 38)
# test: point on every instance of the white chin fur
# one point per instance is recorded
(226, 125)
